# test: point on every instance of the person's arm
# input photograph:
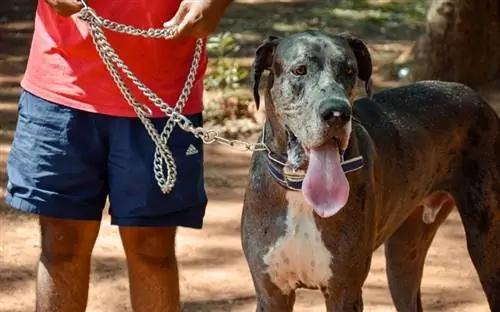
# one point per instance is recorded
(65, 7)
(198, 18)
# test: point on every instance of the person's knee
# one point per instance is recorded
(152, 246)
(67, 240)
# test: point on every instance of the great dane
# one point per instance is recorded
(343, 177)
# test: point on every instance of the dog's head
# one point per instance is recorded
(314, 76)
(313, 81)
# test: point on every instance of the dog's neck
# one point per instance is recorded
(274, 133)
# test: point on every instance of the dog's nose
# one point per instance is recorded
(335, 112)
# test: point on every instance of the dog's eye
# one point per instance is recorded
(300, 70)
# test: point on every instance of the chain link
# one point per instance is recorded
(162, 156)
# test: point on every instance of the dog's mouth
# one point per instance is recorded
(325, 186)
(340, 142)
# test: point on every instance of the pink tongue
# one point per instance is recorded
(325, 185)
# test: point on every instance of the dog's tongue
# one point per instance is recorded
(325, 186)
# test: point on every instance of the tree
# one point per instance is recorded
(461, 42)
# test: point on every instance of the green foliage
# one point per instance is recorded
(226, 112)
(223, 72)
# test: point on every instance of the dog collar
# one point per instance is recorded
(276, 163)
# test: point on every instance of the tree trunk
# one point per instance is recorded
(461, 42)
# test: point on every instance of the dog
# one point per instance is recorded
(344, 176)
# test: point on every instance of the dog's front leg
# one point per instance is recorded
(343, 300)
(344, 291)
(270, 298)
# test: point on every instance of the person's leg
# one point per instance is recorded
(57, 169)
(152, 268)
(64, 266)
(147, 217)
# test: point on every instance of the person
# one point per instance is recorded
(77, 141)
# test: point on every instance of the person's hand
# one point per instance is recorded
(198, 18)
(65, 7)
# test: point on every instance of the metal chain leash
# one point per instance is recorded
(162, 156)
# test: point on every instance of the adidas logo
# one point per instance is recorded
(191, 150)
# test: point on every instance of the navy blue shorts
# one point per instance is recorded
(65, 162)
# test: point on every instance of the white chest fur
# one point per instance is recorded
(299, 256)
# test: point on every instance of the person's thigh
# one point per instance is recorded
(57, 163)
(135, 197)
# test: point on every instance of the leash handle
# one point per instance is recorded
(89, 15)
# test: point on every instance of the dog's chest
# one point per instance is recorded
(299, 256)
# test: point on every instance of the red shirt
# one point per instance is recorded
(64, 66)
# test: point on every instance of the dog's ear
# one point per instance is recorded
(263, 61)
(364, 60)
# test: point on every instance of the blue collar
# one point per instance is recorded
(275, 164)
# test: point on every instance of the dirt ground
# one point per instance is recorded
(214, 274)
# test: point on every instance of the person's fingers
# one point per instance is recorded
(77, 6)
(78, 3)
(178, 17)
(65, 7)
(185, 26)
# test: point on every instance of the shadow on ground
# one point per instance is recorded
(217, 305)
(213, 259)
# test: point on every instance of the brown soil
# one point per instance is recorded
(214, 274)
